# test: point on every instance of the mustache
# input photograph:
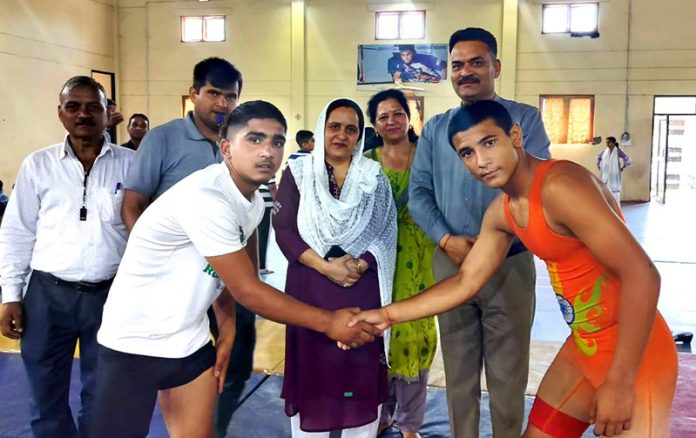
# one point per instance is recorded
(85, 122)
(469, 78)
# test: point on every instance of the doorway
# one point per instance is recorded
(673, 163)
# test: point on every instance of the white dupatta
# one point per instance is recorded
(362, 220)
(609, 169)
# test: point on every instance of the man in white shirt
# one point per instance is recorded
(154, 337)
(63, 226)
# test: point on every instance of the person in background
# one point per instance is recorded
(305, 142)
(138, 125)
(114, 119)
(268, 192)
(413, 344)
(611, 162)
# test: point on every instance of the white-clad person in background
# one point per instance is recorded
(611, 162)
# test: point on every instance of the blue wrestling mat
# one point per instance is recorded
(261, 415)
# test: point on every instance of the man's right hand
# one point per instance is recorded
(355, 336)
(12, 320)
(458, 247)
(114, 119)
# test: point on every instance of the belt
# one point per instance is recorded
(82, 286)
(516, 248)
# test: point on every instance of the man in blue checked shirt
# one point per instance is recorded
(449, 204)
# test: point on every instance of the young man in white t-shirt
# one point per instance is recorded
(154, 336)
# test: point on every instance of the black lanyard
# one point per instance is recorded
(83, 210)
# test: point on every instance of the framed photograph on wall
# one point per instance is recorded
(403, 63)
(415, 104)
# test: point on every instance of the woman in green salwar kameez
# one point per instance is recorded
(413, 344)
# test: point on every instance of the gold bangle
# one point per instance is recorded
(357, 262)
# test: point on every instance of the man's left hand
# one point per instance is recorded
(223, 350)
(114, 119)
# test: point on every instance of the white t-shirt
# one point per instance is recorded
(164, 285)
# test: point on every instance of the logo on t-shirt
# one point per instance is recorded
(211, 271)
(242, 237)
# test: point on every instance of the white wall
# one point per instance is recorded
(42, 44)
(645, 48)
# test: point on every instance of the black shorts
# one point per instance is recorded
(127, 386)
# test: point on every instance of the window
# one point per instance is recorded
(186, 105)
(397, 25)
(202, 28)
(568, 119)
(579, 18)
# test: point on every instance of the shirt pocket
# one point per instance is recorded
(109, 203)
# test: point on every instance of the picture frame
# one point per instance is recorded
(402, 63)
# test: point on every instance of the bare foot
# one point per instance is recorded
(410, 434)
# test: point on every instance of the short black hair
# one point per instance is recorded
(130, 119)
(475, 34)
(404, 47)
(303, 136)
(380, 97)
(1, 185)
(474, 113)
(347, 103)
(82, 81)
(255, 109)
(219, 72)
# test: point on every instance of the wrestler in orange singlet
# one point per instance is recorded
(618, 367)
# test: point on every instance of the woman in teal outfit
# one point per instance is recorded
(413, 343)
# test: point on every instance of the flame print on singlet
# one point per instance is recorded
(581, 314)
(587, 296)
